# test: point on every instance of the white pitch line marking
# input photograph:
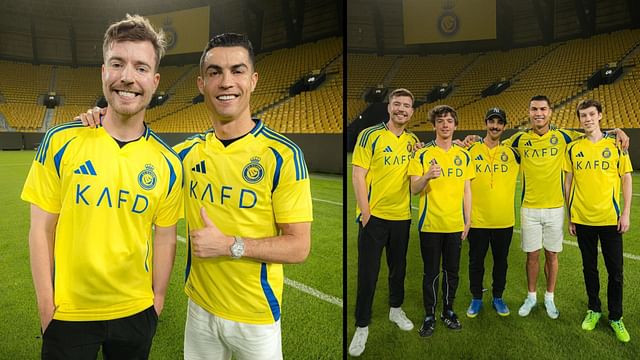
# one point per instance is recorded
(15, 164)
(302, 287)
(328, 201)
(313, 292)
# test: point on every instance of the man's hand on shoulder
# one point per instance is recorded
(92, 118)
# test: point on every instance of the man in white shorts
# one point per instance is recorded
(542, 149)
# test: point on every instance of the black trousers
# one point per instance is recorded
(611, 243)
(125, 338)
(433, 246)
(372, 239)
(479, 241)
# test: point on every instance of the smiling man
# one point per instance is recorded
(100, 271)
(492, 211)
(595, 168)
(380, 161)
(441, 172)
(248, 210)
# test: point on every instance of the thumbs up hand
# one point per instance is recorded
(209, 241)
(434, 170)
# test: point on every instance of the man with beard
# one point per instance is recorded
(383, 212)
(441, 173)
(492, 211)
(100, 275)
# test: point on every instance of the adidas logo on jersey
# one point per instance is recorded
(479, 157)
(86, 169)
(200, 167)
(387, 149)
(528, 143)
(580, 154)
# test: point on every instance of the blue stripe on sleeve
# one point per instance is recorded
(301, 169)
(172, 175)
(57, 158)
(41, 155)
(276, 174)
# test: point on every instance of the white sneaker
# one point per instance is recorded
(552, 311)
(359, 341)
(525, 309)
(400, 318)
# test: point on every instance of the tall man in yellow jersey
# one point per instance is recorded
(594, 169)
(492, 211)
(441, 173)
(100, 273)
(381, 185)
(248, 209)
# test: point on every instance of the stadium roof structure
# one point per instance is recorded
(69, 32)
(378, 26)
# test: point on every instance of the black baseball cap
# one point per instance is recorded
(496, 112)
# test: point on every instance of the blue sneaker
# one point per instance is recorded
(474, 308)
(501, 308)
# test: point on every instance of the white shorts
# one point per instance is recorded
(207, 336)
(542, 228)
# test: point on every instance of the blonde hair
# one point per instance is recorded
(135, 28)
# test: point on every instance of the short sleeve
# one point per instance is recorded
(42, 187)
(363, 152)
(625, 163)
(171, 207)
(291, 197)
(471, 169)
(415, 164)
(566, 163)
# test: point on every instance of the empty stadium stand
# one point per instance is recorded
(23, 85)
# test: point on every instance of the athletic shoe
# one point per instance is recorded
(428, 326)
(501, 308)
(398, 316)
(526, 307)
(621, 333)
(474, 308)
(451, 320)
(591, 320)
(552, 311)
(359, 341)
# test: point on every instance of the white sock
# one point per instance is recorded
(532, 295)
(548, 296)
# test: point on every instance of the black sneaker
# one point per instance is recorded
(451, 320)
(428, 326)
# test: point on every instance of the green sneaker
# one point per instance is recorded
(591, 320)
(621, 333)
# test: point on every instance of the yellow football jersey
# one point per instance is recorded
(107, 199)
(247, 188)
(595, 190)
(541, 165)
(493, 189)
(386, 157)
(441, 202)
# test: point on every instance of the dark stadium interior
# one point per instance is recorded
(558, 48)
(50, 52)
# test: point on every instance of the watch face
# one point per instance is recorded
(237, 249)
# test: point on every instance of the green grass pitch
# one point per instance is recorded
(311, 326)
(489, 336)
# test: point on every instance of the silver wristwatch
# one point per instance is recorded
(237, 248)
